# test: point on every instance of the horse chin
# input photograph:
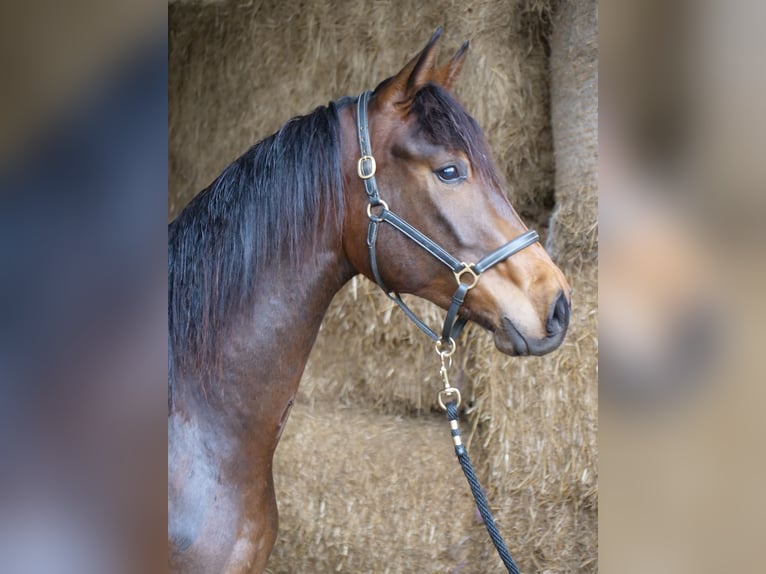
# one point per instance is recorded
(510, 341)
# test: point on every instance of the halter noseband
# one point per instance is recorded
(466, 275)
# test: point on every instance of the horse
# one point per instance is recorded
(255, 259)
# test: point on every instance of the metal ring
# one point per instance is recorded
(440, 347)
(467, 269)
(373, 166)
(450, 391)
(374, 217)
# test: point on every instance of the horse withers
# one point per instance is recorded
(255, 259)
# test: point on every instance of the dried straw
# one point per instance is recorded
(574, 116)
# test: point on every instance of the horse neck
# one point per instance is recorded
(265, 349)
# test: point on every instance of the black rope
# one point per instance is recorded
(478, 495)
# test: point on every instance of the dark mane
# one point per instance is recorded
(444, 121)
(263, 209)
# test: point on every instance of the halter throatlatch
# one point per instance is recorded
(466, 274)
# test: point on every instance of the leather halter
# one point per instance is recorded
(466, 275)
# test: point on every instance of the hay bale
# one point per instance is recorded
(574, 115)
(365, 492)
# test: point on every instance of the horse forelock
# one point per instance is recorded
(444, 121)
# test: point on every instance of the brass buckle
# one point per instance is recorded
(360, 163)
(466, 269)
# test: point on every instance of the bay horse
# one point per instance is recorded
(255, 259)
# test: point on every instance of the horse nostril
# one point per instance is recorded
(558, 318)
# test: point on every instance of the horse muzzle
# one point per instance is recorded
(511, 341)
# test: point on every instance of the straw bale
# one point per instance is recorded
(574, 116)
(365, 492)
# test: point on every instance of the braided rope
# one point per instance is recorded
(478, 494)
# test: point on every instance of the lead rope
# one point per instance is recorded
(452, 396)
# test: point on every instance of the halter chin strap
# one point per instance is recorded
(466, 275)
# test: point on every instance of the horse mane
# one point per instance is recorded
(262, 210)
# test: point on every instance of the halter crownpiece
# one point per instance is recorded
(466, 275)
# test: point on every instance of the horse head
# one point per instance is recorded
(433, 168)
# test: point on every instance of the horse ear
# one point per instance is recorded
(416, 74)
(446, 75)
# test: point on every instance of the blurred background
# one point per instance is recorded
(681, 275)
(83, 183)
(676, 474)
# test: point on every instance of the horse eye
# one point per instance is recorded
(448, 174)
